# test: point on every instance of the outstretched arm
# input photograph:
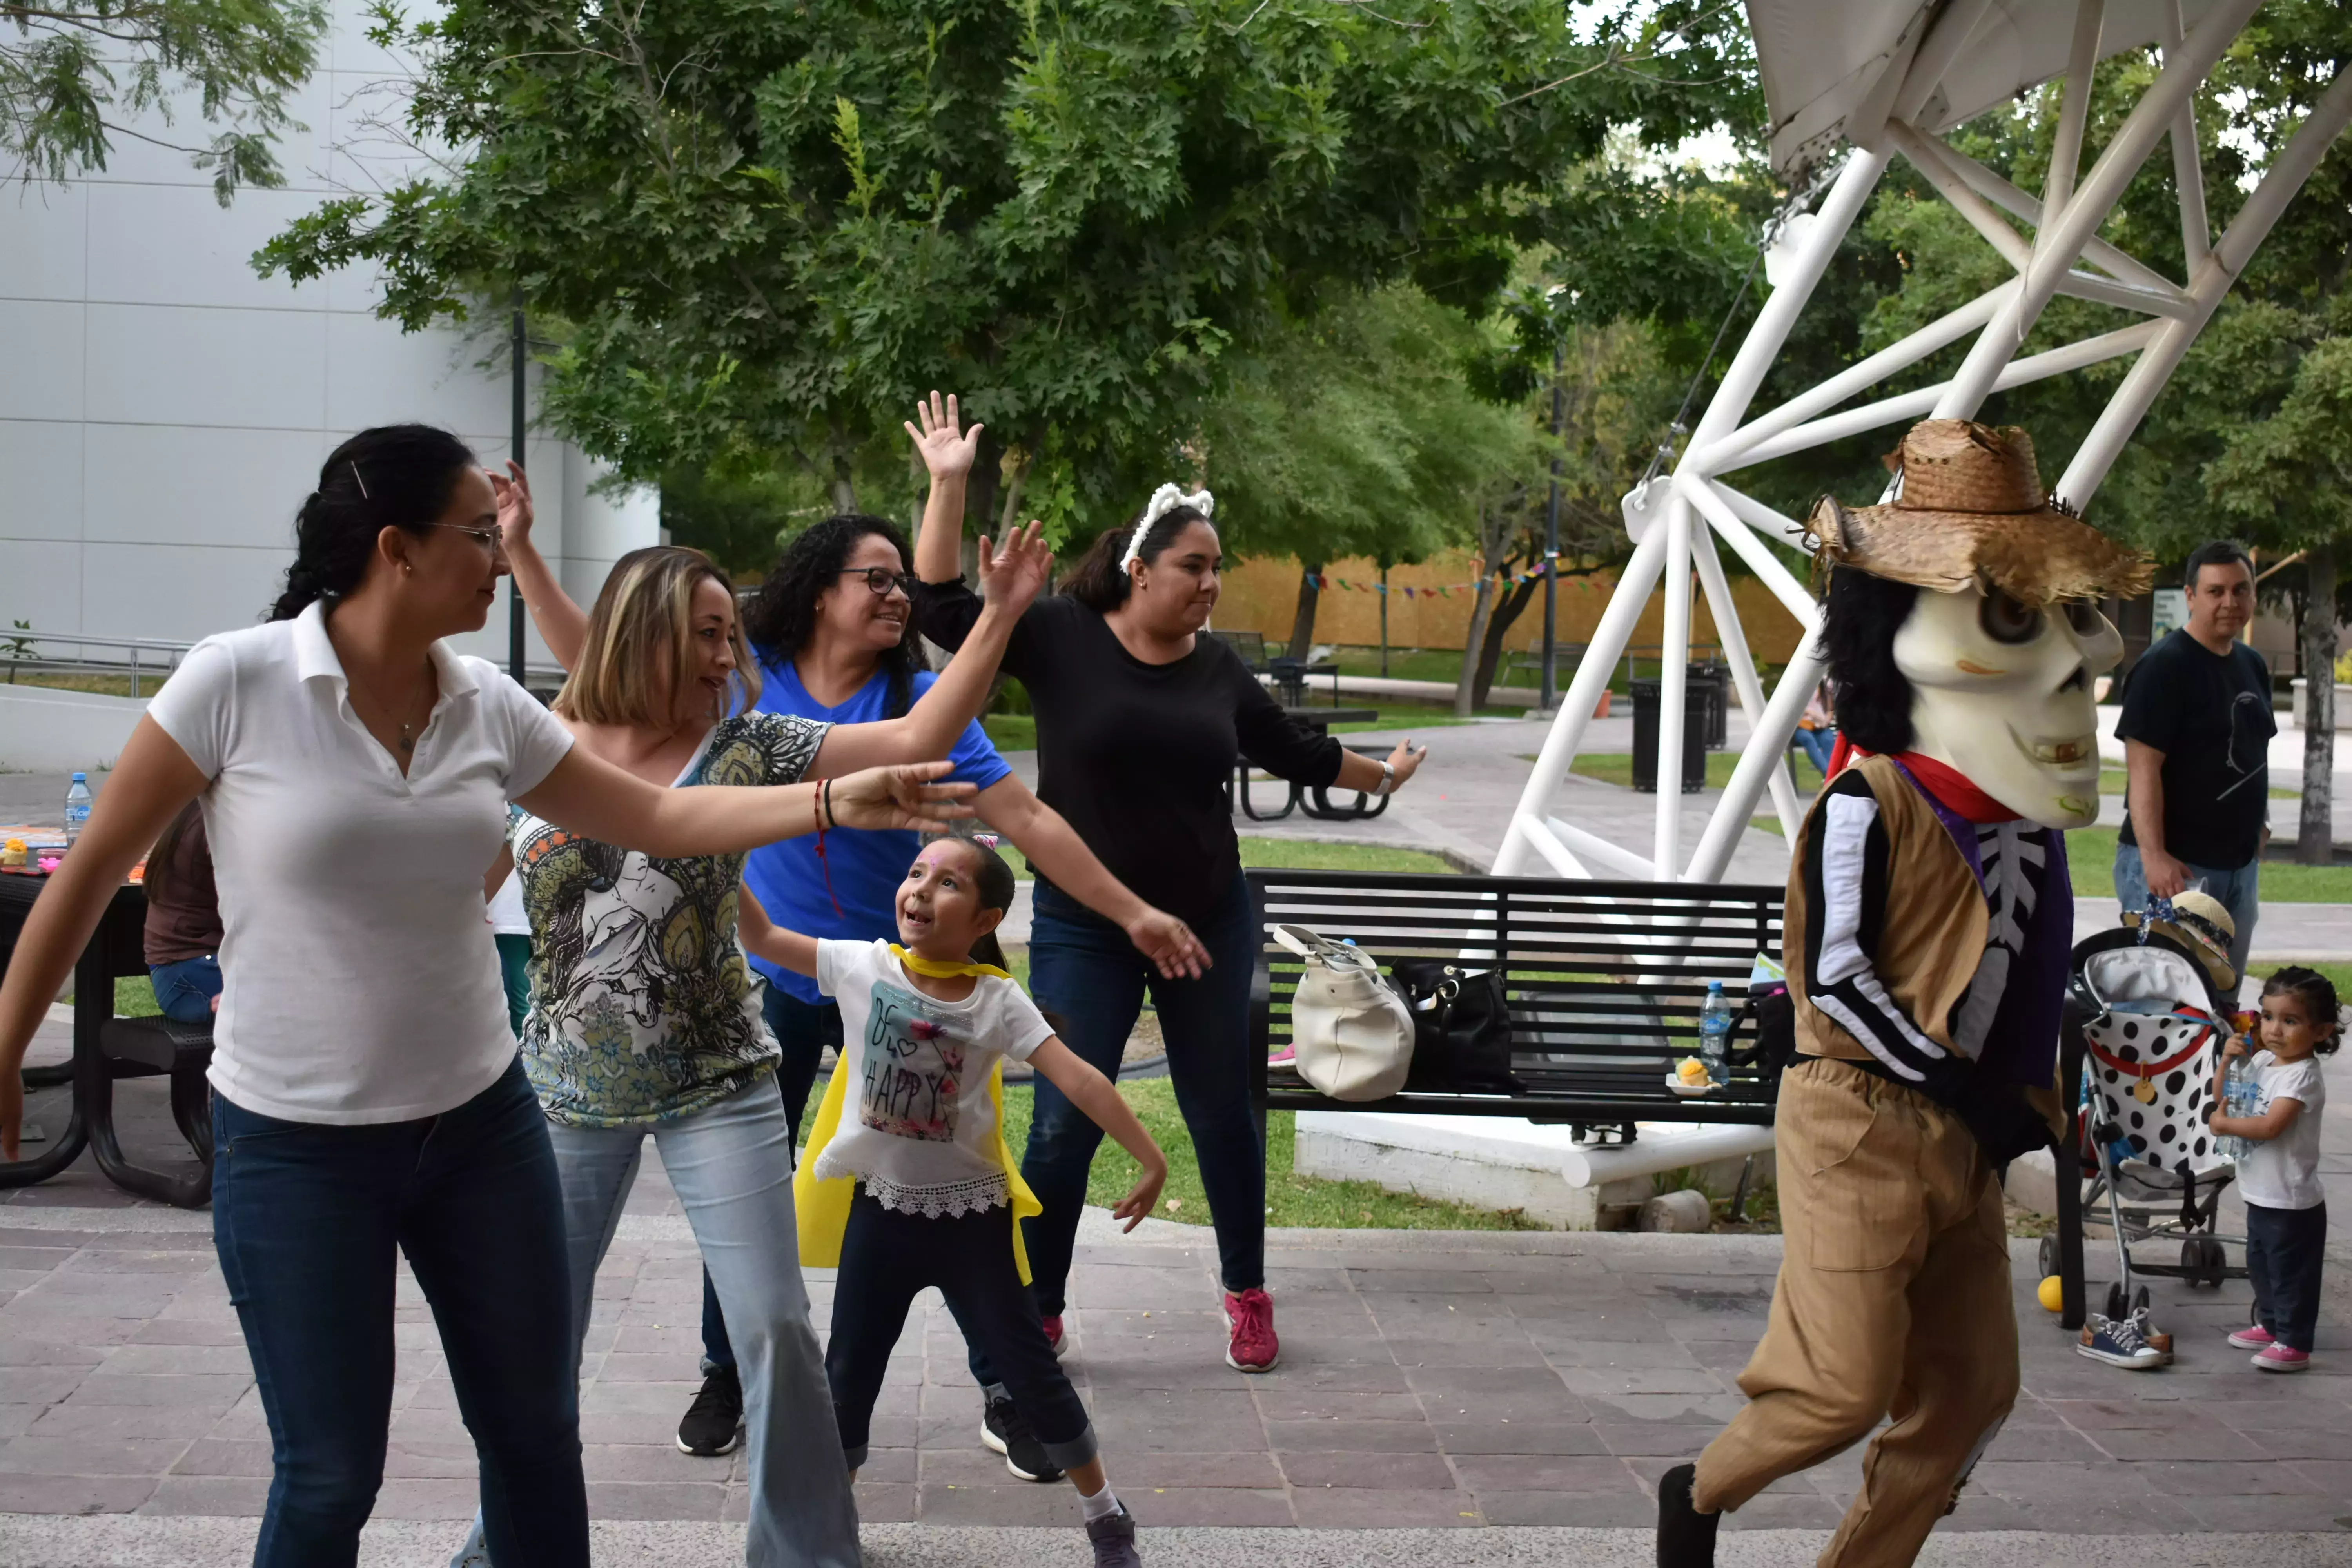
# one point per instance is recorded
(563, 625)
(948, 451)
(594, 798)
(1045, 837)
(1013, 576)
(1097, 1096)
(763, 938)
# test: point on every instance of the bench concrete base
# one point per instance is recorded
(1510, 1163)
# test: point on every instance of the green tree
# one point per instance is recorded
(771, 225)
(1356, 432)
(74, 74)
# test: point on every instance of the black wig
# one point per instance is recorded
(1860, 615)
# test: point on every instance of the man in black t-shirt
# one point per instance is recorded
(2197, 728)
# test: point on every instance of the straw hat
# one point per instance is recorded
(2201, 923)
(1972, 512)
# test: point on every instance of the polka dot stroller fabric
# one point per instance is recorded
(2152, 1057)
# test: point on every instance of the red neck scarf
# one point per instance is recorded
(1952, 792)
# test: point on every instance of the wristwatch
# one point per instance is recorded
(1387, 777)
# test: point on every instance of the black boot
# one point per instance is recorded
(1686, 1536)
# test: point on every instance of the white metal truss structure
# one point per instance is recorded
(1896, 103)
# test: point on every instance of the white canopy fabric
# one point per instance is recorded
(1820, 59)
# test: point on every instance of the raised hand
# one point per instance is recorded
(947, 450)
(513, 491)
(902, 796)
(1015, 574)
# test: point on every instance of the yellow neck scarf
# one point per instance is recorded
(933, 968)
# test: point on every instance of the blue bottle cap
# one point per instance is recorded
(81, 778)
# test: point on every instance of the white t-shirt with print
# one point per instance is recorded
(918, 1126)
(2283, 1173)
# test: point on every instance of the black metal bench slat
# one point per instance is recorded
(1605, 981)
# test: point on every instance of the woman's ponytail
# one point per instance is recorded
(393, 475)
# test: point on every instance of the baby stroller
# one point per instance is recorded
(2145, 1031)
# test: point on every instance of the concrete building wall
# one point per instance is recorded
(163, 409)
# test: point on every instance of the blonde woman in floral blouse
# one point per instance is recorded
(644, 1018)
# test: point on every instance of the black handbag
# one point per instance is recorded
(1460, 1029)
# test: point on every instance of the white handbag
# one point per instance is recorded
(1350, 1031)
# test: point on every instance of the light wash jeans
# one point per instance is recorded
(2239, 890)
(732, 1167)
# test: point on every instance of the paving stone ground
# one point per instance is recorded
(1438, 1381)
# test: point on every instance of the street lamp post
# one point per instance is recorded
(1545, 694)
(521, 436)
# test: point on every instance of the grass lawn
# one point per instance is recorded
(1018, 731)
(1302, 855)
(1291, 1199)
(2090, 858)
(149, 682)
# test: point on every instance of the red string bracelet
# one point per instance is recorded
(820, 805)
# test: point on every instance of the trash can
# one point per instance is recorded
(1698, 697)
(1718, 676)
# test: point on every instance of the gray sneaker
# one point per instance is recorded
(1114, 1539)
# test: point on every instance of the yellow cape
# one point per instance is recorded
(822, 1207)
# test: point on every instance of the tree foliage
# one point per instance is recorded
(770, 225)
(76, 75)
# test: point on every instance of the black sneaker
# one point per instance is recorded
(1006, 1432)
(1114, 1539)
(1686, 1536)
(713, 1423)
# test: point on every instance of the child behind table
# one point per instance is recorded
(909, 1141)
(2287, 1209)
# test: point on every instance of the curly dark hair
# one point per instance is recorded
(782, 617)
(1860, 615)
(2315, 992)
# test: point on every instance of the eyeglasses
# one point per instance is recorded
(492, 537)
(880, 580)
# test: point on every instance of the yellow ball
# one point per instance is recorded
(2049, 1295)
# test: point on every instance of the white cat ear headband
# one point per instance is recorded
(1164, 500)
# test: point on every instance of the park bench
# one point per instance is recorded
(1604, 980)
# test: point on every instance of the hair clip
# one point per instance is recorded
(359, 478)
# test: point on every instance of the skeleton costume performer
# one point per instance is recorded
(1927, 940)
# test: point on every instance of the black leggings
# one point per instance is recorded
(886, 1258)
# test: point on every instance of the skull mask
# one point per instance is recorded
(2002, 692)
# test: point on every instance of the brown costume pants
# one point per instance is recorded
(1893, 1301)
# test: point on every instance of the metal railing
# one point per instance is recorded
(142, 659)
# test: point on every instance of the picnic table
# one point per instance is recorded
(106, 1049)
(1317, 801)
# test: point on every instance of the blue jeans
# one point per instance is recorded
(185, 989)
(1089, 981)
(732, 1166)
(1818, 745)
(309, 1221)
(2240, 890)
(802, 1030)
(2285, 1249)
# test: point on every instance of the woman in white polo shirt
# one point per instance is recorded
(356, 776)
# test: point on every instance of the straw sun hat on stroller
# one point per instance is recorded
(2200, 923)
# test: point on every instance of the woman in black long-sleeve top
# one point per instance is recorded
(1138, 720)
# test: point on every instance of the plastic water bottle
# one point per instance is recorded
(1715, 1033)
(77, 807)
(2238, 1091)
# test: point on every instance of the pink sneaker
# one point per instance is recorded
(1286, 1058)
(1054, 1334)
(1250, 1344)
(2279, 1358)
(2252, 1336)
